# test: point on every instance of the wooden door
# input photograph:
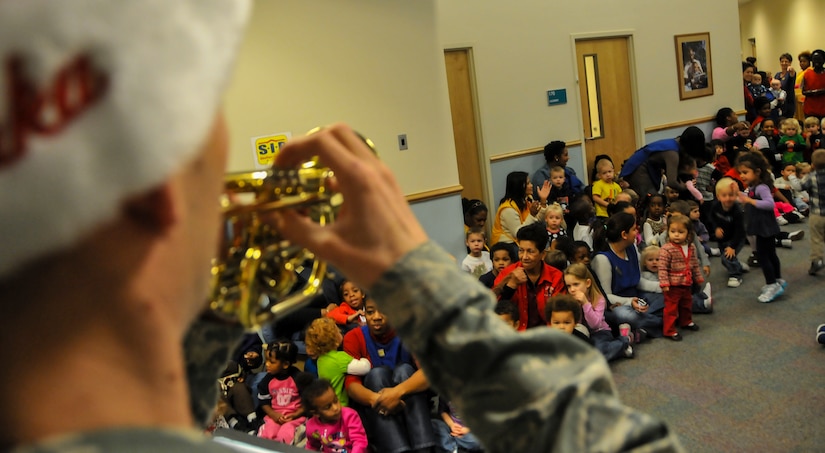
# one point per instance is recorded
(606, 97)
(465, 131)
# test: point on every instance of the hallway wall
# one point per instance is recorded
(522, 49)
(378, 65)
(791, 27)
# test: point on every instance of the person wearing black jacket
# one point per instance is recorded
(727, 227)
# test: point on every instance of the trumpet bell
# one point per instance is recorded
(256, 276)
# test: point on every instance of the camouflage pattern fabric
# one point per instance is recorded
(538, 391)
(206, 348)
(131, 440)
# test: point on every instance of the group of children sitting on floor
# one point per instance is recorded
(725, 207)
(275, 400)
(671, 240)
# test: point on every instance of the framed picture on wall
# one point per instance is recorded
(693, 65)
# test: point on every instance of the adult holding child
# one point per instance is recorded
(517, 208)
(787, 79)
(557, 155)
(643, 170)
(132, 276)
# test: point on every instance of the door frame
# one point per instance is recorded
(634, 86)
(483, 158)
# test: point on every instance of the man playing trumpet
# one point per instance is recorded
(112, 153)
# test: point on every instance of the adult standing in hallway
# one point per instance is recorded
(804, 58)
(813, 86)
(787, 76)
(747, 75)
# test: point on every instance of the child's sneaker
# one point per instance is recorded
(794, 216)
(820, 334)
(770, 292)
(714, 251)
(796, 235)
(786, 243)
(734, 282)
(628, 352)
(816, 266)
(624, 329)
(782, 282)
(753, 261)
(781, 221)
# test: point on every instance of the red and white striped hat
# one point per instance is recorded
(100, 100)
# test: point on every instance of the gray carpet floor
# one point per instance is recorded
(753, 378)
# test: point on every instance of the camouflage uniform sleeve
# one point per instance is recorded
(206, 349)
(539, 391)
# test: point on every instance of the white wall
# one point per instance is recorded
(523, 48)
(378, 65)
(790, 26)
(375, 64)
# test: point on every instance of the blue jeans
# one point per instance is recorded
(610, 347)
(446, 443)
(626, 314)
(406, 430)
(733, 266)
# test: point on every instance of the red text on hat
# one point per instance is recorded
(46, 111)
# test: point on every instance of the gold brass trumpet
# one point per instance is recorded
(254, 276)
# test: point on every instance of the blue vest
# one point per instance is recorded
(625, 273)
(642, 155)
(385, 354)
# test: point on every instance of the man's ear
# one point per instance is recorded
(154, 210)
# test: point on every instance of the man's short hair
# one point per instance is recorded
(536, 233)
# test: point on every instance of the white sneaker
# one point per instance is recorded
(781, 220)
(714, 251)
(786, 243)
(770, 292)
(734, 282)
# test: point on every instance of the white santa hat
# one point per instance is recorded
(100, 100)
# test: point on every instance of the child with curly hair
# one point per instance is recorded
(322, 340)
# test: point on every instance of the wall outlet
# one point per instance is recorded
(402, 142)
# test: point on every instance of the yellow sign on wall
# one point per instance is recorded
(267, 147)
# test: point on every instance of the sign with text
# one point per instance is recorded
(556, 97)
(266, 147)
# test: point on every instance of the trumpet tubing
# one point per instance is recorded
(256, 271)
